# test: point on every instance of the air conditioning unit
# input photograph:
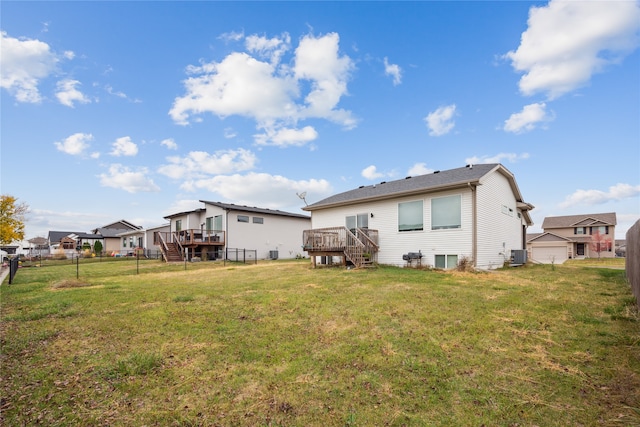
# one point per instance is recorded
(273, 254)
(518, 256)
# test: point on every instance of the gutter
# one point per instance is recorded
(474, 224)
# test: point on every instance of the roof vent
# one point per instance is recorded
(362, 186)
(407, 177)
(470, 166)
(436, 171)
(383, 182)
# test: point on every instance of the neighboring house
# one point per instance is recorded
(621, 247)
(474, 213)
(207, 232)
(112, 242)
(70, 242)
(570, 236)
(141, 239)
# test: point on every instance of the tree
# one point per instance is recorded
(600, 243)
(97, 247)
(12, 217)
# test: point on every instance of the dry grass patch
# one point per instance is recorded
(282, 344)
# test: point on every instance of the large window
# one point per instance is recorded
(410, 216)
(357, 221)
(209, 223)
(446, 261)
(178, 224)
(445, 212)
(217, 223)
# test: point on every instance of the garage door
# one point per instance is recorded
(549, 254)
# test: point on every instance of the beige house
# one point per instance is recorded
(573, 237)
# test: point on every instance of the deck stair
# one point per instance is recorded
(358, 246)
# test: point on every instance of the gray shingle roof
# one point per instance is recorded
(250, 209)
(583, 220)
(422, 183)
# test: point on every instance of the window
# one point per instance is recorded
(357, 221)
(410, 216)
(243, 218)
(178, 224)
(579, 230)
(446, 212)
(208, 223)
(603, 229)
(217, 223)
(131, 241)
(258, 220)
(124, 242)
(446, 261)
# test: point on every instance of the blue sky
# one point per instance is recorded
(137, 110)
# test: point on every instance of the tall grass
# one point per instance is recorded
(283, 344)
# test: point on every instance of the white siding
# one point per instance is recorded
(498, 232)
(393, 244)
(276, 233)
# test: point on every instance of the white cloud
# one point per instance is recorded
(271, 92)
(286, 137)
(566, 42)
(124, 147)
(440, 122)
(199, 164)
(169, 143)
(498, 158)
(597, 197)
(24, 63)
(123, 178)
(394, 71)
(67, 93)
(262, 190)
(419, 169)
(527, 120)
(75, 144)
(371, 172)
(272, 49)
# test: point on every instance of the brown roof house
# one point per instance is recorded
(573, 237)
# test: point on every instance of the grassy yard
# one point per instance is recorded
(281, 344)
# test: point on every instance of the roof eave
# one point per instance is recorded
(457, 185)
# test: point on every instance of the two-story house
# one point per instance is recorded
(209, 231)
(573, 237)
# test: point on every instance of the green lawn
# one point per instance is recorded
(281, 344)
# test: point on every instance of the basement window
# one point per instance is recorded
(446, 262)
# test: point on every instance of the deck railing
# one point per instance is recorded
(358, 245)
(191, 237)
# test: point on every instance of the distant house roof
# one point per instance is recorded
(250, 209)
(239, 208)
(584, 220)
(57, 236)
(436, 181)
(111, 232)
(546, 237)
(121, 226)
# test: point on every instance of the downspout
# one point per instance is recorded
(474, 225)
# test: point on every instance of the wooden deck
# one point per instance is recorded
(195, 241)
(358, 246)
